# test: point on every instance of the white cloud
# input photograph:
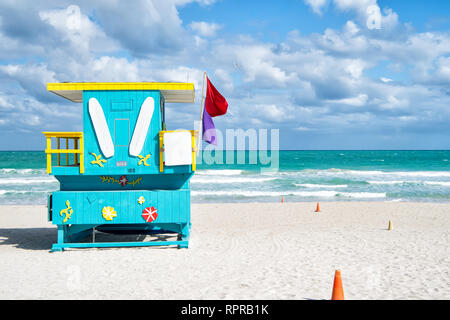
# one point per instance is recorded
(392, 102)
(369, 13)
(351, 28)
(444, 68)
(257, 62)
(272, 112)
(358, 101)
(205, 29)
(32, 78)
(225, 79)
(315, 83)
(355, 67)
(303, 129)
(113, 69)
(5, 104)
(360, 5)
(201, 2)
(316, 5)
(78, 29)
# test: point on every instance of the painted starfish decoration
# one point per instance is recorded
(144, 160)
(98, 159)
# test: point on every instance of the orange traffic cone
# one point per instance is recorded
(318, 208)
(338, 291)
(282, 199)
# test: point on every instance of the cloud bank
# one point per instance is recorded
(372, 83)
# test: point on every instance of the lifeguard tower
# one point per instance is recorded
(124, 173)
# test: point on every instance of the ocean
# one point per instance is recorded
(422, 176)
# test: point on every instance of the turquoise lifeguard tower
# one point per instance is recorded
(124, 173)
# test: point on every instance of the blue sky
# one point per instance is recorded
(329, 74)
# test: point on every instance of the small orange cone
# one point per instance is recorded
(282, 199)
(318, 208)
(338, 291)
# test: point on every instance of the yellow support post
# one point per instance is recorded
(49, 155)
(193, 150)
(161, 150)
(81, 155)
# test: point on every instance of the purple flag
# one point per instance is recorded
(209, 131)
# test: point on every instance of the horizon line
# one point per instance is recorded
(40, 150)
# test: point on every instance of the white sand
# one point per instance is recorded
(243, 251)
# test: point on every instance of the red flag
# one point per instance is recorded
(215, 103)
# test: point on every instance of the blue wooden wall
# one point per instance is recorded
(171, 206)
(121, 109)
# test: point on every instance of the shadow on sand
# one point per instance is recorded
(28, 238)
(43, 238)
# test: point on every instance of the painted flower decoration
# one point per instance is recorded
(109, 213)
(123, 181)
(141, 200)
(149, 214)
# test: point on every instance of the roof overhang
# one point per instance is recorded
(172, 91)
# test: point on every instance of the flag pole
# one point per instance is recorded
(202, 107)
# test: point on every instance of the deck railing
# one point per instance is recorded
(77, 150)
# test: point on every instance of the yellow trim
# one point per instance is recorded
(161, 151)
(194, 134)
(172, 91)
(66, 135)
(58, 151)
(81, 154)
(63, 134)
(49, 155)
(81, 86)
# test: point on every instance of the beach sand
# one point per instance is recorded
(243, 251)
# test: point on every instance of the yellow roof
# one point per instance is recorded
(172, 91)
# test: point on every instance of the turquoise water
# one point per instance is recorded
(301, 176)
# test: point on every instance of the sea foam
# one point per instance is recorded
(226, 180)
(19, 181)
(321, 186)
(320, 194)
(220, 172)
